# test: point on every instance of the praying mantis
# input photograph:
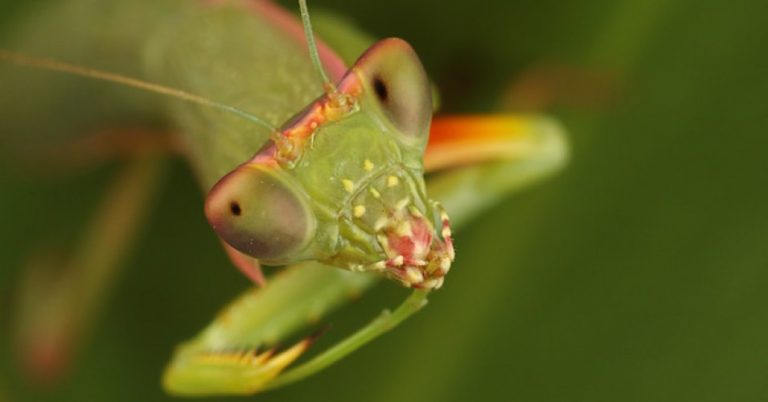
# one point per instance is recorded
(339, 174)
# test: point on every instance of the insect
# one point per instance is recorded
(306, 164)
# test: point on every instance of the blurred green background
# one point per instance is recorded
(637, 274)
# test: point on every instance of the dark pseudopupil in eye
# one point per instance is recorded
(381, 89)
(235, 208)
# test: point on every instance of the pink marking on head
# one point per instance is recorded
(267, 156)
(331, 107)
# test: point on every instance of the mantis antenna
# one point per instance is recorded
(312, 46)
(54, 65)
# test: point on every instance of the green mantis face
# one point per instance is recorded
(342, 182)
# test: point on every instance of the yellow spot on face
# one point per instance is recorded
(375, 193)
(413, 275)
(446, 232)
(379, 266)
(392, 181)
(404, 229)
(445, 265)
(359, 211)
(313, 125)
(380, 223)
(348, 185)
(368, 165)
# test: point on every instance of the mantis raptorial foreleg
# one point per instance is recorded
(58, 298)
(233, 354)
(474, 161)
(249, 266)
(499, 155)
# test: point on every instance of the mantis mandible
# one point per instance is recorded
(308, 165)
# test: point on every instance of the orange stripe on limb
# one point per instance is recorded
(463, 140)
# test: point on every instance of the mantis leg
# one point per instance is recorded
(236, 353)
(493, 155)
(475, 161)
(98, 148)
(58, 299)
(248, 265)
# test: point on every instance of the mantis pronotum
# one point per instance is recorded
(307, 164)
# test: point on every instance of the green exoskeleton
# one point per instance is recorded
(342, 182)
(307, 164)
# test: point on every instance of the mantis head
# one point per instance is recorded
(342, 182)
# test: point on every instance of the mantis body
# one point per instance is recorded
(323, 175)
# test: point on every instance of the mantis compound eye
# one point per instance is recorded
(395, 77)
(260, 213)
